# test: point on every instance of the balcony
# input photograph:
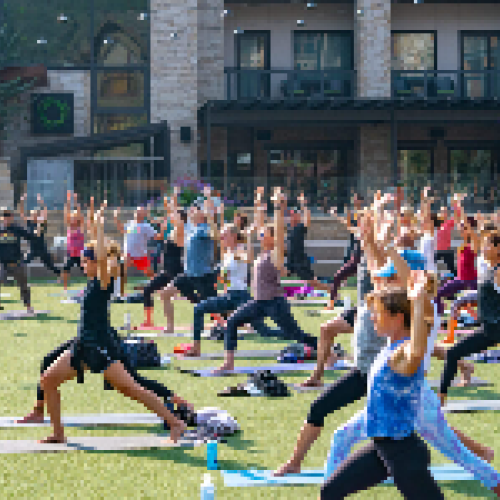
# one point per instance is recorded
(443, 84)
(274, 84)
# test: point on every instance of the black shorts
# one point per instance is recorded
(301, 269)
(349, 316)
(203, 286)
(97, 357)
(70, 262)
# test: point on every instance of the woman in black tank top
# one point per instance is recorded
(96, 346)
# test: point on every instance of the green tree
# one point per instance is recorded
(10, 91)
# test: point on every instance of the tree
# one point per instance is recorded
(11, 90)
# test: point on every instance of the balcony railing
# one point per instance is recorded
(443, 84)
(241, 84)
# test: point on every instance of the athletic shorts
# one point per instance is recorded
(203, 286)
(98, 358)
(349, 316)
(141, 263)
(70, 262)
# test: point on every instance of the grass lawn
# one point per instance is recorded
(270, 426)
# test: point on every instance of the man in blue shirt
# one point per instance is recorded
(199, 277)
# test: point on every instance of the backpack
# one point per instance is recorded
(141, 354)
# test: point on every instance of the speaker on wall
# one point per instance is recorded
(185, 134)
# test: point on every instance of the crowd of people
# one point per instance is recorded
(393, 250)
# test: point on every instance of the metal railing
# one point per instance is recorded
(323, 194)
(288, 84)
(443, 84)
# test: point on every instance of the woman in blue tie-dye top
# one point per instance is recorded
(394, 393)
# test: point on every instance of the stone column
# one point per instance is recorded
(373, 47)
(373, 66)
(6, 187)
(187, 69)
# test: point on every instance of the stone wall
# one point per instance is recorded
(187, 68)
(18, 132)
(372, 47)
(374, 157)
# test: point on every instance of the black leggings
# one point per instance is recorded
(346, 390)
(45, 258)
(152, 385)
(406, 460)
(488, 335)
(448, 256)
(161, 280)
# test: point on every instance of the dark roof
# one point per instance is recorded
(338, 104)
(94, 142)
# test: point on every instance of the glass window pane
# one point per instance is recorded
(413, 51)
(110, 123)
(121, 30)
(51, 32)
(414, 171)
(322, 50)
(120, 89)
(253, 51)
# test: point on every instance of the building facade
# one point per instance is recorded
(323, 97)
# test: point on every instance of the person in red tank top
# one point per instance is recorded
(467, 275)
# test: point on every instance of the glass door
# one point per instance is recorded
(415, 172)
(480, 52)
(253, 54)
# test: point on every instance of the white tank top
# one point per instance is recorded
(432, 339)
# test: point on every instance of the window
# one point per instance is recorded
(323, 50)
(413, 51)
(108, 123)
(120, 89)
(480, 52)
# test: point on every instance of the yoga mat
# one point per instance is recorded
(4, 295)
(186, 335)
(458, 332)
(475, 382)
(459, 406)
(20, 314)
(308, 302)
(91, 420)
(95, 444)
(245, 478)
(279, 368)
(238, 354)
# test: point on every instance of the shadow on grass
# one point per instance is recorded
(472, 393)
(470, 488)
(44, 318)
(179, 456)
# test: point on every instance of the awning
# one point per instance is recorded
(26, 73)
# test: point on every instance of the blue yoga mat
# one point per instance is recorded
(278, 368)
(243, 478)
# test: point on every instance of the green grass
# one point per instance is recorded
(269, 426)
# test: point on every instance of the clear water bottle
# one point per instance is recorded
(207, 488)
(127, 321)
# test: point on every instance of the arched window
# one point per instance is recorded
(113, 46)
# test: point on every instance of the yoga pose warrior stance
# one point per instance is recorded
(97, 345)
(36, 223)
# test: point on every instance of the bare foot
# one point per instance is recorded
(442, 398)
(311, 382)
(52, 440)
(288, 468)
(192, 353)
(488, 455)
(222, 369)
(466, 377)
(34, 417)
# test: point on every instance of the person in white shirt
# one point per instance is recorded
(234, 271)
(137, 233)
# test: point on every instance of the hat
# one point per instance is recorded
(414, 259)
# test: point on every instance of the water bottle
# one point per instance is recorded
(207, 488)
(127, 321)
(212, 455)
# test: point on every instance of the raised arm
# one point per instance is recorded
(118, 223)
(408, 358)
(67, 208)
(102, 260)
(22, 212)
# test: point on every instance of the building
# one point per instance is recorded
(327, 97)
